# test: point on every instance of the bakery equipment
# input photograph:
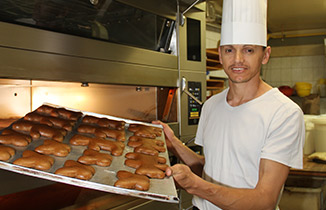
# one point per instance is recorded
(132, 56)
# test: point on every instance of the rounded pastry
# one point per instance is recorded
(129, 180)
(6, 152)
(35, 160)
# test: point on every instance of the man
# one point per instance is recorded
(251, 133)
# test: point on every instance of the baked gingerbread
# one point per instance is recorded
(149, 165)
(46, 109)
(92, 157)
(146, 145)
(80, 140)
(59, 112)
(32, 159)
(44, 130)
(6, 152)
(129, 180)
(14, 138)
(37, 130)
(50, 121)
(145, 131)
(115, 147)
(51, 147)
(102, 132)
(77, 170)
(104, 122)
(68, 114)
(23, 126)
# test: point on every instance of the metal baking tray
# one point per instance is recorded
(104, 178)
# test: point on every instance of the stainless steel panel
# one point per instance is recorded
(160, 189)
(16, 97)
(25, 64)
(199, 66)
(190, 130)
(167, 8)
(33, 39)
(29, 53)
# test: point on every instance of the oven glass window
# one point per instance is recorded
(106, 20)
(193, 40)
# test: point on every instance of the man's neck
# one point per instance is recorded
(240, 93)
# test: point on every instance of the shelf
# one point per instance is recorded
(214, 68)
(212, 60)
(212, 53)
(214, 86)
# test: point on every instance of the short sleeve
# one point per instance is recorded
(285, 138)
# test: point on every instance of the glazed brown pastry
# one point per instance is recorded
(104, 122)
(80, 140)
(50, 121)
(38, 118)
(6, 152)
(77, 170)
(92, 157)
(59, 112)
(145, 131)
(51, 147)
(115, 147)
(149, 165)
(146, 145)
(129, 180)
(23, 125)
(35, 160)
(14, 138)
(67, 114)
(38, 130)
(45, 109)
(44, 130)
(102, 132)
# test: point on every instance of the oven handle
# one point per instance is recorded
(185, 90)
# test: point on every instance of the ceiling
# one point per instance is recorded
(296, 15)
(284, 15)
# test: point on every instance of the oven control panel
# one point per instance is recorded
(194, 107)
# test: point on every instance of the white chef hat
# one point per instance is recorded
(244, 22)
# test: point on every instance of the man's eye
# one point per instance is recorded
(249, 50)
(228, 50)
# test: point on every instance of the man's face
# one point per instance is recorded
(242, 63)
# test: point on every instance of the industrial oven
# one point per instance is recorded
(140, 60)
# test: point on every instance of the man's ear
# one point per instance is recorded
(267, 54)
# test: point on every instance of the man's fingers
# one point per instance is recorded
(169, 171)
(173, 170)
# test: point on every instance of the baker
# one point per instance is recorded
(251, 133)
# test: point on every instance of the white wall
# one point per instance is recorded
(283, 70)
(289, 70)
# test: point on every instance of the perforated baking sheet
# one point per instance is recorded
(104, 178)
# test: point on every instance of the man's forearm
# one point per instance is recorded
(232, 198)
(189, 157)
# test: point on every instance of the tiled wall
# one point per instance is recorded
(289, 70)
(284, 70)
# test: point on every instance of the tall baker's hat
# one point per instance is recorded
(244, 22)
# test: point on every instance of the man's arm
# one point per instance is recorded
(184, 153)
(272, 176)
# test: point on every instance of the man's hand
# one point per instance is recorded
(169, 134)
(183, 176)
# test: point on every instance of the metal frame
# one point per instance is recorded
(30, 53)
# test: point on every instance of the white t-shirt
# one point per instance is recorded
(234, 139)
